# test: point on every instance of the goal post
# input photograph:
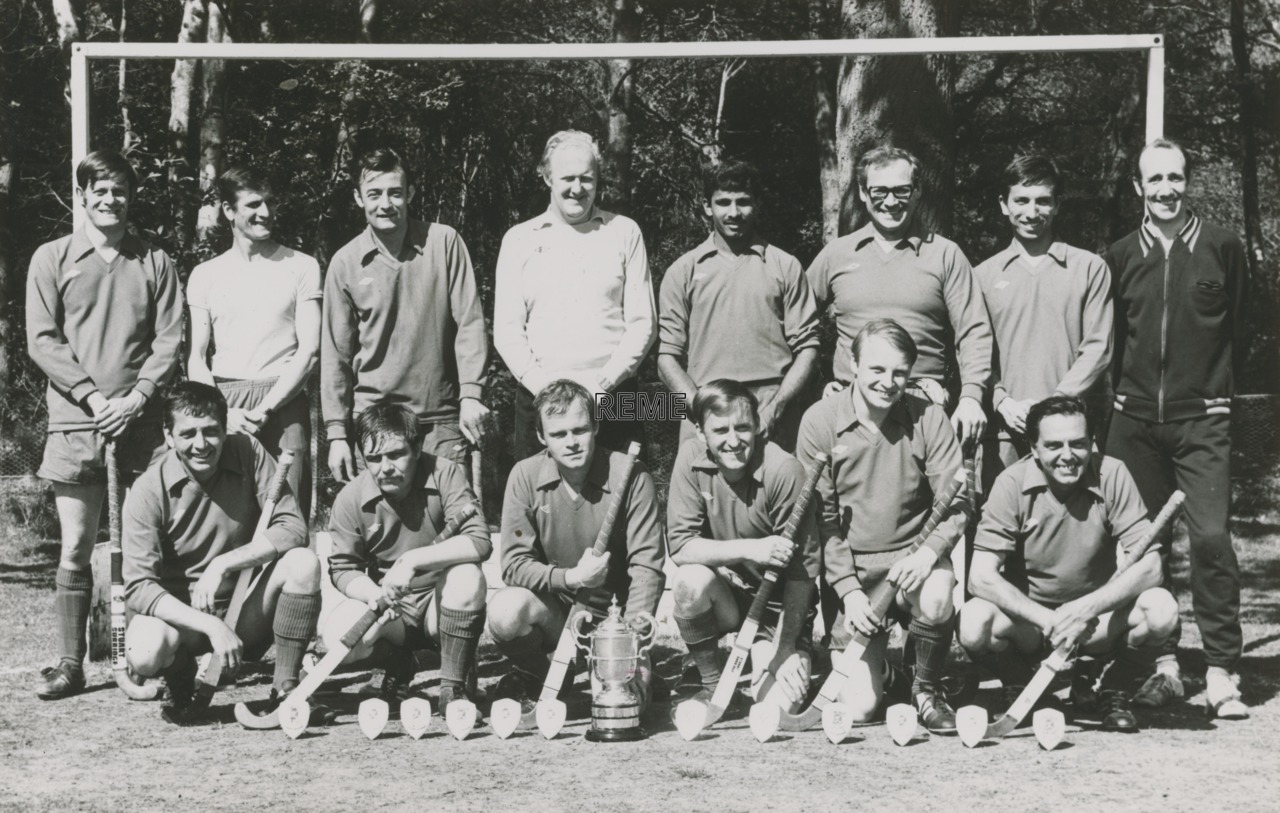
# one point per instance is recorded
(83, 52)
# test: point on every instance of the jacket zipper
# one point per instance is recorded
(1164, 333)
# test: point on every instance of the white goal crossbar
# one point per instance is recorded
(83, 52)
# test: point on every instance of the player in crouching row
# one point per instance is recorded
(891, 453)
(384, 525)
(188, 530)
(555, 504)
(731, 496)
(1045, 551)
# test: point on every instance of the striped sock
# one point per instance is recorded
(294, 626)
(932, 643)
(701, 634)
(72, 599)
(459, 635)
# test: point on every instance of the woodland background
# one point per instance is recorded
(474, 131)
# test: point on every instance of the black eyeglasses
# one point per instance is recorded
(880, 193)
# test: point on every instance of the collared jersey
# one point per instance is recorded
(252, 309)
(573, 301)
(742, 317)
(174, 526)
(1178, 319)
(1065, 549)
(878, 489)
(546, 529)
(409, 331)
(93, 325)
(1052, 321)
(702, 504)
(370, 532)
(924, 283)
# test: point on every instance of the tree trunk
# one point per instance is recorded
(213, 123)
(903, 101)
(68, 25)
(619, 89)
(368, 20)
(182, 87)
(823, 72)
(1248, 143)
(1118, 136)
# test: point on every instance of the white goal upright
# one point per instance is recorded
(83, 52)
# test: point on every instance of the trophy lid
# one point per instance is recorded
(613, 624)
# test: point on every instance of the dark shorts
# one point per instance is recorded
(872, 568)
(287, 428)
(78, 456)
(254, 628)
(744, 596)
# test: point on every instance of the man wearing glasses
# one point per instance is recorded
(895, 268)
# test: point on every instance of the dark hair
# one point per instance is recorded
(103, 165)
(387, 421)
(1162, 143)
(1056, 405)
(197, 400)
(882, 156)
(239, 179)
(377, 160)
(559, 395)
(731, 176)
(722, 397)
(1033, 169)
(892, 332)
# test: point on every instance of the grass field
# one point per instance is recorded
(98, 751)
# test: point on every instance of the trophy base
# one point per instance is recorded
(616, 735)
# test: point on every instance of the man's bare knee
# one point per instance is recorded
(510, 613)
(150, 645)
(1159, 610)
(692, 585)
(463, 588)
(977, 617)
(934, 604)
(300, 571)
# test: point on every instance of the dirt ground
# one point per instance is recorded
(99, 751)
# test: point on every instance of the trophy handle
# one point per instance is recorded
(575, 626)
(648, 635)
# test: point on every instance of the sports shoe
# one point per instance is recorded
(1115, 711)
(180, 686)
(521, 687)
(935, 715)
(1222, 698)
(1083, 696)
(399, 670)
(1159, 690)
(63, 680)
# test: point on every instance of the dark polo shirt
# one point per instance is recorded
(92, 325)
(1067, 549)
(925, 284)
(742, 317)
(879, 488)
(545, 530)
(174, 527)
(409, 331)
(370, 533)
(702, 504)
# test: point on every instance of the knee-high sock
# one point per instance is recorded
(1130, 666)
(527, 653)
(701, 633)
(294, 626)
(932, 643)
(72, 599)
(459, 635)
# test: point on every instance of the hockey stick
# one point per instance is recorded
(211, 666)
(119, 661)
(294, 712)
(881, 601)
(692, 716)
(1061, 657)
